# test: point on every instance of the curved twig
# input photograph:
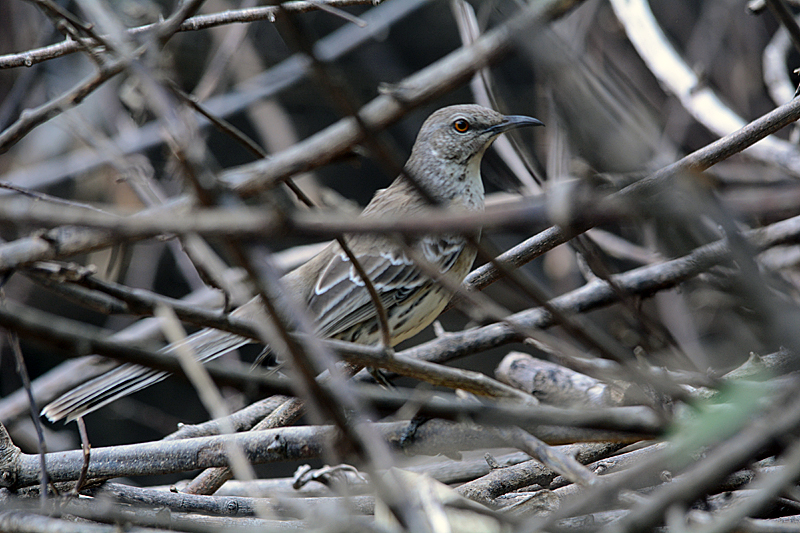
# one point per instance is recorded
(699, 100)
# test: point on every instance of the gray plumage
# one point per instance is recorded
(445, 161)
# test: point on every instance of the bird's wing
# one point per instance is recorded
(340, 300)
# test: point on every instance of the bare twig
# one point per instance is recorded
(784, 15)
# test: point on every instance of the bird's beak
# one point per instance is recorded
(515, 121)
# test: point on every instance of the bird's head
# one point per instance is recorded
(447, 154)
(458, 133)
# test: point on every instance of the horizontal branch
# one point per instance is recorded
(522, 213)
(434, 437)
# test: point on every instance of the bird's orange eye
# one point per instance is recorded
(461, 125)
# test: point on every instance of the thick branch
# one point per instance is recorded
(284, 444)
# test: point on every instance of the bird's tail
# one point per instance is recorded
(128, 378)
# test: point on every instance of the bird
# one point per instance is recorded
(444, 163)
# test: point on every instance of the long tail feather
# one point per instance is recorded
(128, 378)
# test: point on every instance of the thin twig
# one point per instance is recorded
(22, 372)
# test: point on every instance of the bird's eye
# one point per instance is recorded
(461, 125)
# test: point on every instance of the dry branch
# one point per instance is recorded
(284, 444)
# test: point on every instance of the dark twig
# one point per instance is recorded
(22, 371)
(87, 456)
(784, 15)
